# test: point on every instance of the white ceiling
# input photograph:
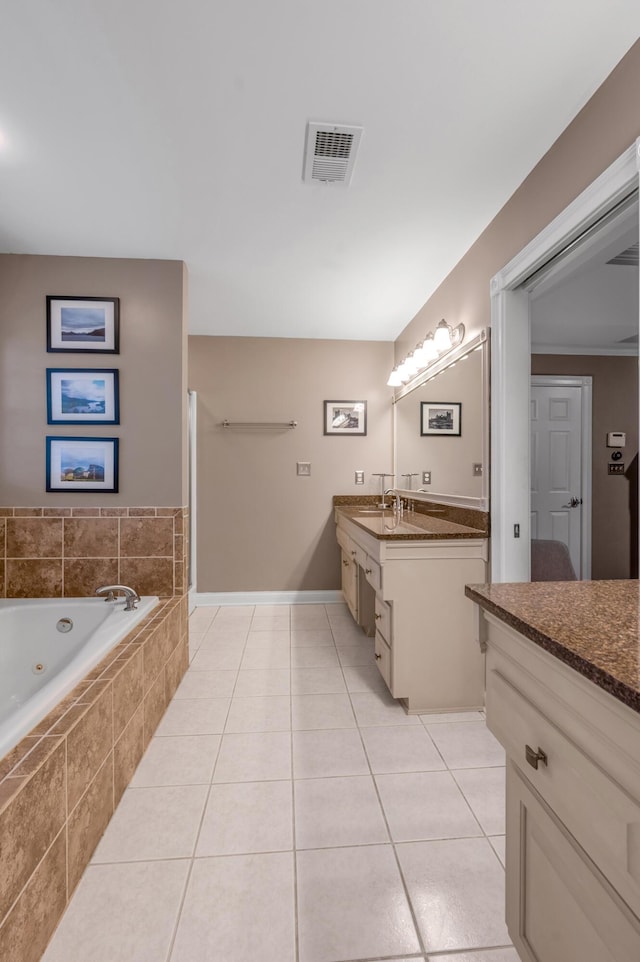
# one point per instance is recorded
(175, 129)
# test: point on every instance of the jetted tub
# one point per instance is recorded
(47, 646)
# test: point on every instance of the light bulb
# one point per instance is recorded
(429, 348)
(442, 337)
(410, 366)
(420, 356)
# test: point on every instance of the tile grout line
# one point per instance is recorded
(296, 925)
(412, 913)
(192, 858)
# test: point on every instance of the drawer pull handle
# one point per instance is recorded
(353, 554)
(345, 562)
(367, 571)
(378, 657)
(534, 757)
(377, 616)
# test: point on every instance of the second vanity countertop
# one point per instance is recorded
(412, 526)
(592, 626)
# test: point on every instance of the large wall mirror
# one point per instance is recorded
(441, 425)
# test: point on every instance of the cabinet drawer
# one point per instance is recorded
(563, 908)
(373, 573)
(383, 659)
(599, 813)
(383, 619)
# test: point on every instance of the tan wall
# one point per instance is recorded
(152, 376)
(600, 133)
(260, 526)
(614, 514)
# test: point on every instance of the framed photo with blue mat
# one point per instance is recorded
(83, 396)
(82, 464)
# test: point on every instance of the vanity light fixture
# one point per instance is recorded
(442, 337)
(434, 347)
(427, 351)
(409, 367)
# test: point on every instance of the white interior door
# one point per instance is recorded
(559, 491)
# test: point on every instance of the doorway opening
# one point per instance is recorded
(601, 217)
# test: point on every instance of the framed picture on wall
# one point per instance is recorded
(82, 395)
(82, 464)
(342, 418)
(88, 325)
(441, 419)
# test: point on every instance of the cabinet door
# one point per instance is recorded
(560, 908)
(350, 583)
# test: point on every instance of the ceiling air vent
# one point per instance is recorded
(628, 258)
(330, 153)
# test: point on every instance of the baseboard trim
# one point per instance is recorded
(201, 598)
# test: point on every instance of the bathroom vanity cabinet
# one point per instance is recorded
(404, 582)
(573, 778)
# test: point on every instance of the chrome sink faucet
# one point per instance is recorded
(398, 504)
(131, 595)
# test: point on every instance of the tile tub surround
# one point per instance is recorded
(61, 784)
(68, 552)
(592, 626)
(313, 827)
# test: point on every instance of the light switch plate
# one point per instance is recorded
(303, 468)
(477, 470)
(426, 477)
(359, 477)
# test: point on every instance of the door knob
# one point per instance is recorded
(573, 503)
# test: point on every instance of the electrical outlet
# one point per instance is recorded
(359, 477)
(477, 470)
(426, 477)
(303, 468)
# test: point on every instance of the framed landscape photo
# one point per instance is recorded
(342, 418)
(88, 325)
(441, 419)
(82, 464)
(82, 395)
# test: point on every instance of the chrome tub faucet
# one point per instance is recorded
(131, 595)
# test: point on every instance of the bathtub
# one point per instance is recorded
(41, 662)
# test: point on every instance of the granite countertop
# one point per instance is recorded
(592, 626)
(413, 526)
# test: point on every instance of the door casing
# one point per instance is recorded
(511, 359)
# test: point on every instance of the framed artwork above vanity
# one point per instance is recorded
(441, 419)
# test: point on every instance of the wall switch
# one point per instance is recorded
(359, 477)
(516, 531)
(303, 468)
(426, 477)
(477, 470)
(617, 467)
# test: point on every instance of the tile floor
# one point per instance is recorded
(288, 810)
